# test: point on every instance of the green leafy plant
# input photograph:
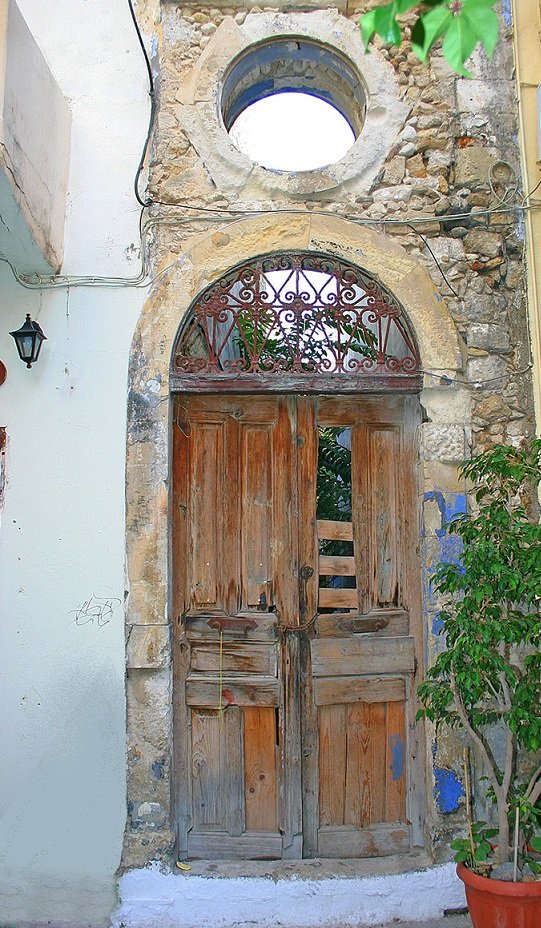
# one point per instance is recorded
(476, 848)
(460, 24)
(490, 673)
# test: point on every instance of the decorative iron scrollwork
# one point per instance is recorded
(299, 314)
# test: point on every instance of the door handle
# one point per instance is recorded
(304, 575)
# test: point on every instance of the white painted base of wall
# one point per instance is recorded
(152, 898)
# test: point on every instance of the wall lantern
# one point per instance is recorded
(28, 340)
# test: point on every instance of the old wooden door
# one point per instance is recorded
(294, 588)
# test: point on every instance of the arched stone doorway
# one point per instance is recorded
(309, 679)
(296, 596)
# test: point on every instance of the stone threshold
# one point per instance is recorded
(312, 869)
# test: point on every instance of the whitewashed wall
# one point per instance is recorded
(62, 747)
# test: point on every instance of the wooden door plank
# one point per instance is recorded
(181, 767)
(385, 557)
(286, 512)
(360, 512)
(260, 756)
(229, 515)
(343, 690)
(207, 451)
(332, 764)
(410, 539)
(290, 727)
(206, 780)
(330, 530)
(237, 657)
(337, 598)
(378, 744)
(232, 796)
(394, 622)
(307, 455)
(256, 627)
(204, 691)
(358, 765)
(395, 766)
(256, 517)
(376, 841)
(333, 657)
(221, 846)
(336, 566)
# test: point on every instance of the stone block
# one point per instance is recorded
(489, 336)
(489, 370)
(472, 165)
(445, 443)
(395, 170)
(416, 166)
(479, 242)
(148, 646)
(443, 405)
(493, 409)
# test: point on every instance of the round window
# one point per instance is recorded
(293, 104)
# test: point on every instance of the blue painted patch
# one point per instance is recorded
(397, 748)
(448, 789)
(507, 12)
(454, 505)
(437, 625)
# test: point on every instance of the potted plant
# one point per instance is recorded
(487, 682)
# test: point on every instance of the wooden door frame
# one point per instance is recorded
(299, 808)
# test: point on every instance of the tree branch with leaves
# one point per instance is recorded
(461, 25)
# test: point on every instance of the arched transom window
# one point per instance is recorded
(300, 321)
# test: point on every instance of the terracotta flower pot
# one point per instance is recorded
(498, 904)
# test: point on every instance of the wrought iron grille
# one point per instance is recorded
(300, 314)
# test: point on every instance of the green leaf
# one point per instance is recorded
(368, 27)
(535, 843)
(383, 21)
(484, 21)
(386, 24)
(434, 25)
(458, 44)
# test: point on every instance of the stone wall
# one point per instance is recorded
(435, 174)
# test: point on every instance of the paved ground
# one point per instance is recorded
(448, 921)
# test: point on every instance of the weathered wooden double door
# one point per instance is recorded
(295, 573)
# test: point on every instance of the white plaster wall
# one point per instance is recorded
(62, 738)
(153, 899)
(35, 121)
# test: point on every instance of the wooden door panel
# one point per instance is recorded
(203, 690)
(235, 658)
(388, 623)
(206, 549)
(379, 841)
(383, 518)
(329, 691)
(261, 752)
(241, 627)
(362, 779)
(256, 528)
(217, 771)
(239, 575)
(362, 655)
(332, 764)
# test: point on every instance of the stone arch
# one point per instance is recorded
(204, 260)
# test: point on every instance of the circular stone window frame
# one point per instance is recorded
(200, 103)
(293, 64)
